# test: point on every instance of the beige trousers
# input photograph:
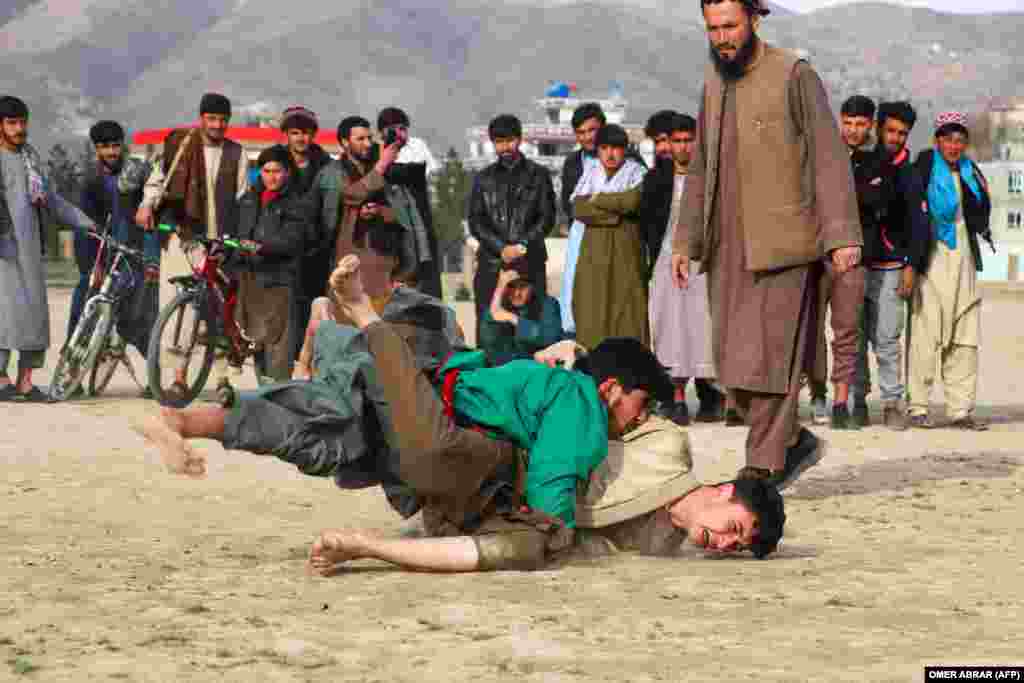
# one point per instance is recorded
(945, 329)
(958, 367)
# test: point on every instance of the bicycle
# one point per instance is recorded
(194, 325)
(95, 348)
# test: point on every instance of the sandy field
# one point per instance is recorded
(903, 549)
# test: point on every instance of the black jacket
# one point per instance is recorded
(656, 208)
(316, 262)
(413, 177)
(512, 206)
(302, 181)
(977, 212)
(572, 171)
(883, 184)
(284, 228)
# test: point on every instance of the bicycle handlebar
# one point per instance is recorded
(227, 241)
(115, 245)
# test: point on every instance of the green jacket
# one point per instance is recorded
(504, 342)
(554, 414)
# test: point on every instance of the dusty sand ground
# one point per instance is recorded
(902, 550)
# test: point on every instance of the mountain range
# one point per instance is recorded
(456, 63)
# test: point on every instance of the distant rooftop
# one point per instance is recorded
(1007, 103)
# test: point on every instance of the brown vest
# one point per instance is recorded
(773, 162)
(226, 184)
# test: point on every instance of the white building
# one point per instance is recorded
(1005, 176)
(1006, 186)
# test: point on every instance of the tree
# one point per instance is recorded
(451, 192)
(66, 176)
(65, 173)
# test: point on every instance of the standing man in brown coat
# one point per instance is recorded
(195, 185)
(770, 193)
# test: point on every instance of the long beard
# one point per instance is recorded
(733, 70)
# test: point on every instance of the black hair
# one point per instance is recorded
(632, 363)
(764, 500)
(106, 133)
(668, 121)
(901, 111)
(858, 105)
(612, 135)
(505, 126)
(391, 116)
(12, 107)
(587, 111)
(215, 103)
(950, 128)
(348, 123)
(278, 153)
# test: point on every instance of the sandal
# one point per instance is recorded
(8, 392)
(33, 395)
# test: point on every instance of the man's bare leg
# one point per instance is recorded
(169, 432)
(449, 554)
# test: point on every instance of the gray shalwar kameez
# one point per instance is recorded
(24, 310)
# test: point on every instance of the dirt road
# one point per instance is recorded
(903, 549)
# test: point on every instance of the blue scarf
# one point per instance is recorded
(943, 198)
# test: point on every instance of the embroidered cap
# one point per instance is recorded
(299, 117)
(951, 117)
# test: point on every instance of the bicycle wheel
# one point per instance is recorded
(180, 357)
(111, 354)
(80, 352)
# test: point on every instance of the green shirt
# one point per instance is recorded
(554, 414)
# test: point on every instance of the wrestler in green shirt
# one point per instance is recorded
(556, 415)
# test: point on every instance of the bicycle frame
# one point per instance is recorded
(104, 276)
(208, 277)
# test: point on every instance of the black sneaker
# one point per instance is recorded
(808, 452)
(841, 417)
(861, 417)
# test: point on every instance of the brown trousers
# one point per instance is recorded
(845, 295)
(267, 316)
(773, 418)
(444, 463)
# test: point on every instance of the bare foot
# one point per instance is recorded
(333, 548)
(165, 433)
(354, 302)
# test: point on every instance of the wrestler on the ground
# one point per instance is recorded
(457, 456)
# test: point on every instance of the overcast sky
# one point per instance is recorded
(958, 6)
